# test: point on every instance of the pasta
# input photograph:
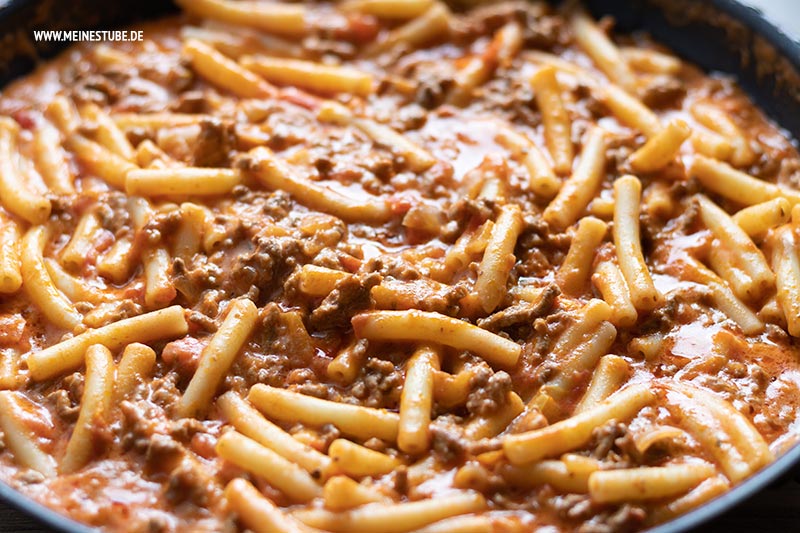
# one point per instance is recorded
(391, 266)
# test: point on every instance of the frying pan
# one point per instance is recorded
(718, 35)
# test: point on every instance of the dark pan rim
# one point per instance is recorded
(787, 48)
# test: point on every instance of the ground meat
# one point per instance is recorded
(192, 102)
(162, 452)
(100, 89)
(489, 392)
(184, 429)
(420, 294)
(380, 386)
(164, 391)
(612, 442)
(214, 144)
(447, 442)
(159, 226)
(523, 313)
(573, 506)
(263, 269)
(190, 282)
(663, 91)
(350, 296)
(66, 408)
(626, 518)
(432, 90)
(394, 267)
(188, 482)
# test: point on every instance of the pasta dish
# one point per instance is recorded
(387, 266)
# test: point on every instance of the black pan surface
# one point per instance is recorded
(718, 35)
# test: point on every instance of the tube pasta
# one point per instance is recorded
(358, 461)
(460, 524)
(710, 144)
(10, 375)
(38, 285)
(699, 422)
(543, 181)
(189, 238)
(425, 326)
(276, 174)
(73, 256)
(745, 254)
(393, 518)
(724, 298)
(757, 219)
(484, 427)
(50, 159)
(284, 475)
(135, 366)
(434, 23)
(346, 366)
(580, 359)
(341, 493)
(575, 431)
(627, 194)
(575, 270)
(108, 134)
(249, 422)
(418, 159)
(652, 61)
(224, 72)
(583, 328)
(319, 281)
(101, 162)
(719, 121)
(274, 17)
(647, 483)
(602, 50)
(116, 263)
(722, 179)
(95, 407)
(256, 511)
(610, 282)
(10, 262)
(390, 9)
(68, 355)
(705, 491)
(733, 441)
(611, 373)
(630, 111)
(19, 438)
(360, 422)
(159, 289)
(313, 76)
(557, 123)
(75, 289)
(478, 69)
(786, 263)
(218, 356)
(62, 113)
(553, 472)
(155, 121)
(498, 259)
(16, 193)
(580, 188)
(660, 149)
(181, 181)
(416, 401)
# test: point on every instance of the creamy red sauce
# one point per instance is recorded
(151, 470)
